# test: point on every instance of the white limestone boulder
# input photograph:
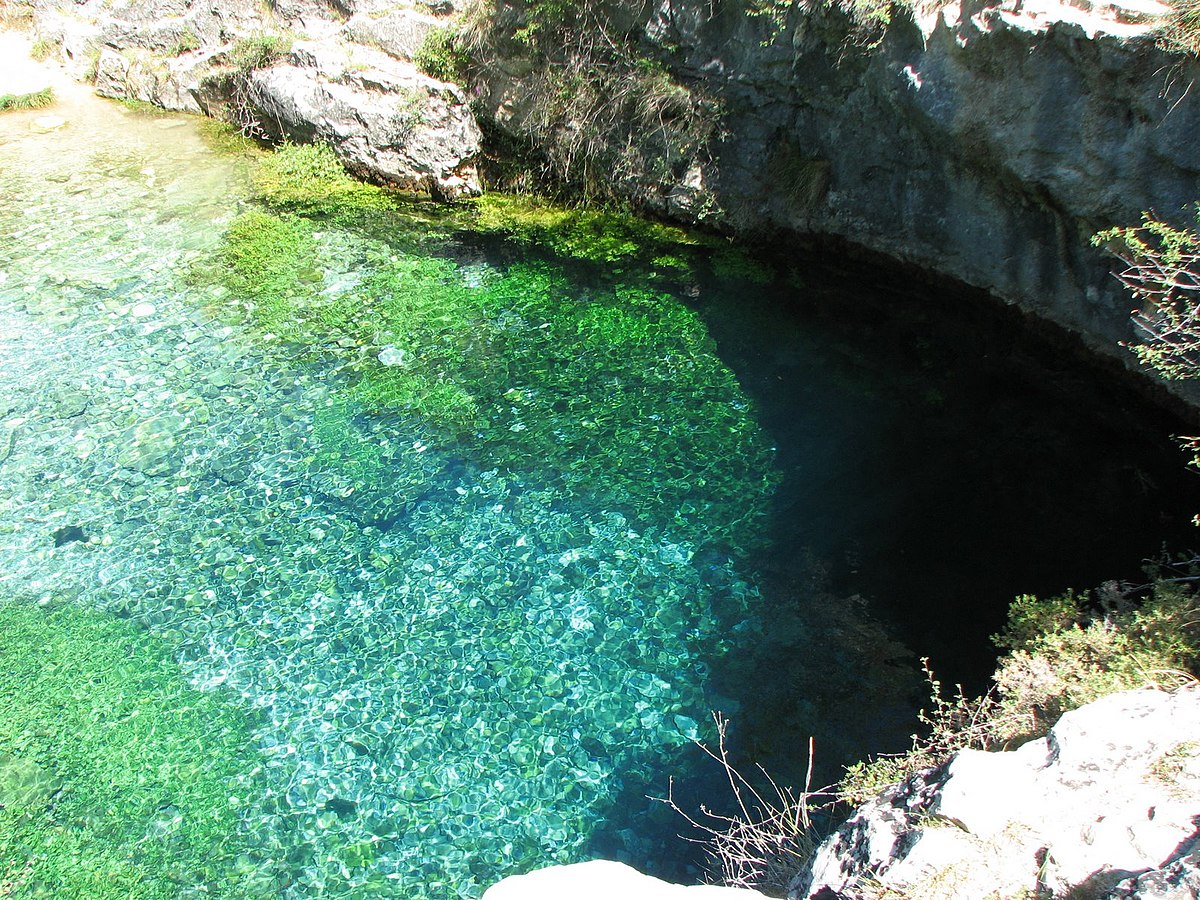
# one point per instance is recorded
(1110, 795)
(602, 879)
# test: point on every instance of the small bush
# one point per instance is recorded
(441, 56)
(259, 51)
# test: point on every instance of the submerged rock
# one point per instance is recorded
(1107, 799)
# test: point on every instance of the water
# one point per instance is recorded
(473, 639)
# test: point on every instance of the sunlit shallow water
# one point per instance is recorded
(469, 652)
(459, 666)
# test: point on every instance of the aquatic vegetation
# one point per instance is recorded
(616, 393)
(36, 100)
(736, 264)
(595, 235)
(118, 778)
(266, 264)
(310, 179)
(222, 137)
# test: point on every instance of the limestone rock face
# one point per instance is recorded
(604, 880)
(987, 142)
(386, 120)
(399, 32)
(1109, 801)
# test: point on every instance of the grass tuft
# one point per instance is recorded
(35, 100)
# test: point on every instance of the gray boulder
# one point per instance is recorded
(1107, 802)
(397, 32)
(387, 121)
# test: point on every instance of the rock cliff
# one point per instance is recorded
(987, 141)
(298, 71)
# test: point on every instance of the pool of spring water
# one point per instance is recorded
(475, 644)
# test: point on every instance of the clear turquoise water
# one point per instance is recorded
(460, 666)
(473, 653)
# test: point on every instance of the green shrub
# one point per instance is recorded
(117, 779)
(441, 56)
(259, 50)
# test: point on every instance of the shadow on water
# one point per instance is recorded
(940, 456)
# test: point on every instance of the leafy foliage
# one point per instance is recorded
(1163, 273)
(141, 776)
(442, 56)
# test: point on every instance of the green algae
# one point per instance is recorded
(310, 179)
(595, 235)
(139, 776)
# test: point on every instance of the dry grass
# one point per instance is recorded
(769, 838)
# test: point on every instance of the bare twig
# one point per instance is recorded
(769, 838)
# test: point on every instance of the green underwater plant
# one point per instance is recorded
(131, 781)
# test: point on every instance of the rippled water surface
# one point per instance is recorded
(471, 645)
